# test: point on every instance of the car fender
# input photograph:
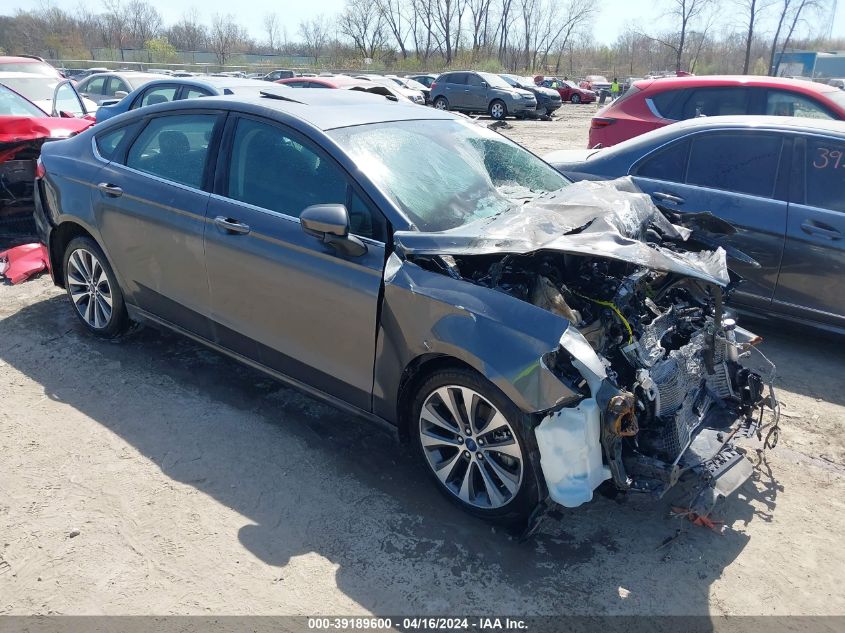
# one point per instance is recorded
(501, 337)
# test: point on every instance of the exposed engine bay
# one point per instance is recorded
(668, 383)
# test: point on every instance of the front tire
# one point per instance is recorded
(440, 103)
(93, 290)
(476, 445)
(498, 110)
(576, 99)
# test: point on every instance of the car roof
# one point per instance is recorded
(13, 74)
(733, 80)
(790, 123)
(208, 82)
(13, 59)
(324, 109)
(127, 73)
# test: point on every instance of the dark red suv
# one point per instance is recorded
(654, 103)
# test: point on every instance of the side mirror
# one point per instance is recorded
(67, 115)
(329, 223)
(120, 94)
(483, 84)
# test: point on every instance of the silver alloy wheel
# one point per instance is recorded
(89, 288)
(440, 104)
(471, 447)
(497, 111)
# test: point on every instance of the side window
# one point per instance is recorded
(735, 162)
(113, 84)
(195, 93)
(314, 84)
(298, 84)
(96, 86)
(825, 174)
(152, 96)
(107, 143)
(68, 101)
(667, 164)
(474, 80)
(716, 102)
(457, 78)
(174, 148)
(284, 173)
(783, 103)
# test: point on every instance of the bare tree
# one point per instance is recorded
(315, 35)
(224, 37)
(363, 23)
(751, 10)
(272, 27)
(792, 12)
(143, 22)
(685, 12)
(394, 15)
(188, 34)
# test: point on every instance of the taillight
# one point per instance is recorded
(601, 121)
(40, 172)
(433, 85)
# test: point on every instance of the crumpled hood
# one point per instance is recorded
(600, 219)
(18, 132)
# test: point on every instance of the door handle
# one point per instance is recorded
(668, 197)
(230, 226)
(113, 191)
(811, 228)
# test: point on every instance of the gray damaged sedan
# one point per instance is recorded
(532, 338)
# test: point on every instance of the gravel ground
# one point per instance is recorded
(151, 475)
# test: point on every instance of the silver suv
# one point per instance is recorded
(480, 92)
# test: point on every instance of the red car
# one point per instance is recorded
(24, 128)
(654, 103)
(570, 91)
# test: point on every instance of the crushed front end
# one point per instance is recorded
(666, 384)
(680, 383)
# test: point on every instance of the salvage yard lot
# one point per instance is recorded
(154, 476)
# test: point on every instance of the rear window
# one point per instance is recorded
(630, 92)
(35, 67)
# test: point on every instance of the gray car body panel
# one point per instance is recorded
(422, 313)
(429, 314)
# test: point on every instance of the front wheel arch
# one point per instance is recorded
(414, 375)
(61, 236)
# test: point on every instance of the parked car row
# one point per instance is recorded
(654, 103)
(534, 327)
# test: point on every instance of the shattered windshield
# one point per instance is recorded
(446, 173)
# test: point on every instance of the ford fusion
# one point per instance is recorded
(534, 339)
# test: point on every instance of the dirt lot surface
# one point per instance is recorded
(150, 475)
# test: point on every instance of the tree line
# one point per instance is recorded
(553, 36)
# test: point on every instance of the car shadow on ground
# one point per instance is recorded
(311, 479)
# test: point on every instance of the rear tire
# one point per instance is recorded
(498, 110)
(575, 99)
(440, 103)
(481, 454)
(92, 288)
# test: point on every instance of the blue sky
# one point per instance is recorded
(615, 15)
